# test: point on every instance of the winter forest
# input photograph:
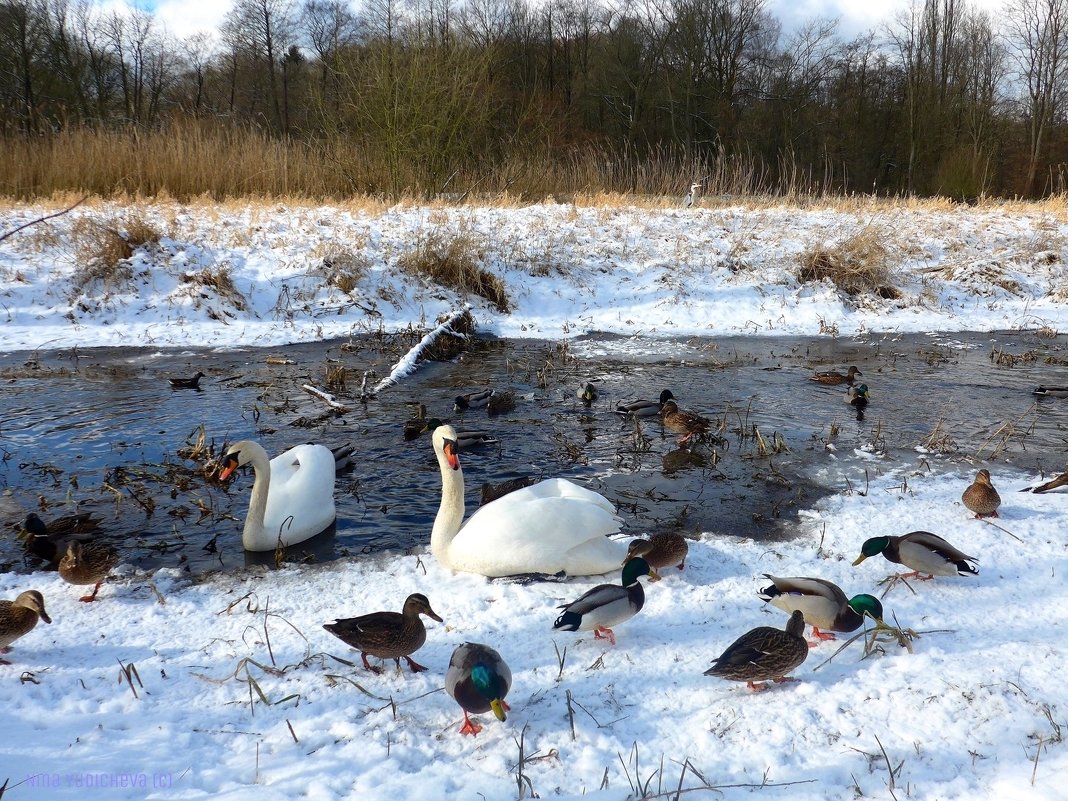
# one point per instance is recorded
(324, 98)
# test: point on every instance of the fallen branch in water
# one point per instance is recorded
(406, 365)
(325, 397)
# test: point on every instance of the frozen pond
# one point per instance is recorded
(102, 430)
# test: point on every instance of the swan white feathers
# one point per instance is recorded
(292, 494)
(550, 527)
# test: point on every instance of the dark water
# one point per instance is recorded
(102, 430)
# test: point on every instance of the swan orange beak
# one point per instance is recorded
(449, 449)
(229, 466)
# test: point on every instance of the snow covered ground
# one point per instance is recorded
(565, 269)
(228, 691)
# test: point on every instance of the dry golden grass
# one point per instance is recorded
(104, 246)
(341, 266)
(858, 265)
(196, 161)
(220, 280)
(451, 258)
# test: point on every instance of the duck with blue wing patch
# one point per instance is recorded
(608, 605)
(478, 679)
(924, 552)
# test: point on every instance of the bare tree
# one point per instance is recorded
(1037, 35)
(261, 31)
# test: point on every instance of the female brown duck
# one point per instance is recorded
(387, 635)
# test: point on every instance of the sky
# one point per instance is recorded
(226, 686)
(186, 17)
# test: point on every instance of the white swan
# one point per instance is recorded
(292, 494)
(549, 527)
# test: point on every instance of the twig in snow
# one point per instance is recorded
(129, 672)
(521, 779)
(889, 767)
(27, 225)
(561, 657)
(1000, 528)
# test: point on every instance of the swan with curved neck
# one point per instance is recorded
(553, 526)
(292, 494)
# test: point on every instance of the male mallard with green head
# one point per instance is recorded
(763, 654)
(607, 605)
(387, 635)
(88, 563)
(587, 393)
(478, 679)
(49, 541)
(924, 552)
(833, 377)
(663, 549)
(18, 617)
(823, 604)
(980, 496)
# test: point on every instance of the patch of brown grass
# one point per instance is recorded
(858, 265)
(343, 268)
(220, 280)
(103, 248)
(452, 260)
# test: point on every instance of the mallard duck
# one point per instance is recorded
(80, 523)
(500, 403)
(924, 552)
(663, 549)
(466, 440)
(88, 563)
(858, 396)
(491, 492)
(343, 457)
(823, 604)
(835, 378)
(587, 393)
(607, 605)
(186, 383)
(387, 635)
(478, 679)
(1052, 392)
(763, 654)
(981, 497)
(687, 423)
(472, 400)
(292, 494)
(549, 527)
(49, 541)
(415, 426)
(644, 408)
(18, 617)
